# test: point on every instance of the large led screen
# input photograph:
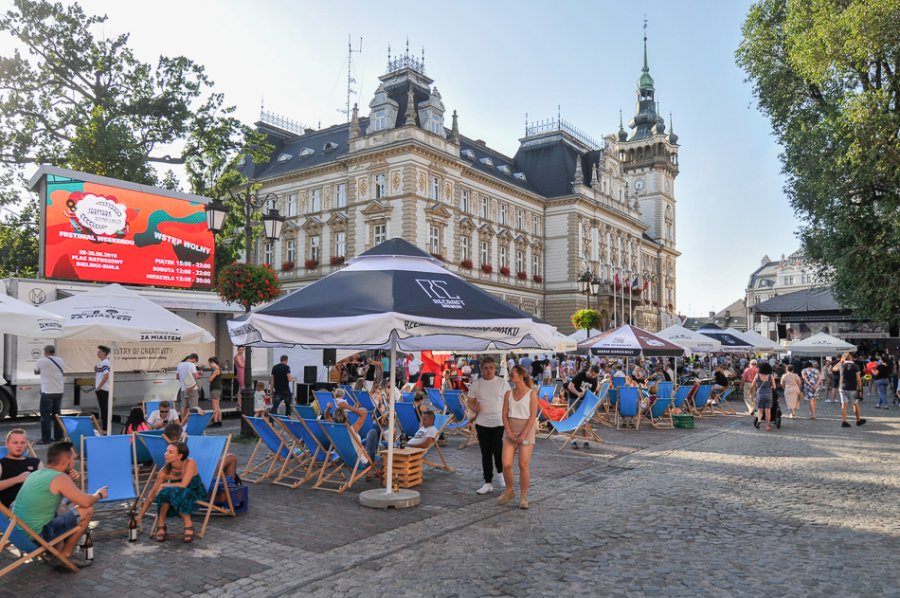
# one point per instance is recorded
(103, 233)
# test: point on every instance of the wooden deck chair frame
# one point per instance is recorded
(296, 459)
(721, 405)
(445, 419)
(584, 431)
(664, 420)
(297, 469)
(219, 482)
(466, 427)
(357, 469)
(692, 401)
(43, 547)
(636, 418)
(98, 431)
(329, 462)
(153, 470)
(270, 465)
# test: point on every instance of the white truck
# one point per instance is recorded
(138, 377)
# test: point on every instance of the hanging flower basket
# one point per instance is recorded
(248, 285)
(522, 275)
(311, 264)
(467, 264)
(538, 278)
(487, 268)
(337, 260)
(287, 266)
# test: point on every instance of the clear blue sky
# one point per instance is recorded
(495, 62)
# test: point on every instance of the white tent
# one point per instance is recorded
(24, 319)
(758, 341)
(114, 314)
(690, 340)
(820, 344)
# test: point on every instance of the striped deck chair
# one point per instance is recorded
(353, 457)
(700, 401)
(76, 426)
(315, 457)
(271, 448)
(196, 424)
(460, 423)
(209, 453)
(434, 395)
(578, 424)
(629, 405)
(29, 543)
(110, 461)
(660, 413)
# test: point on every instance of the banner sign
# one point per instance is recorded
(102, 233)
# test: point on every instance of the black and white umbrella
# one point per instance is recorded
(394, 296)
(631, 341)
(730, 343)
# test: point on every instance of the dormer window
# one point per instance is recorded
(330, 147)
(284, 157)
(469, 154)
(504, 169)
(380, 120)
(487, 162)
(520, 176)
(306, 151)
(437, 124)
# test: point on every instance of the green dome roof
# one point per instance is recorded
(646, 81)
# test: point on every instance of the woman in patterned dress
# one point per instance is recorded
(177, 489)
(811, 381)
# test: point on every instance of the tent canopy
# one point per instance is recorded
(730, 343)
(756, 340)
(631, 341)
(693, 341)
(821, 344)
(24, 319)
(807, 300)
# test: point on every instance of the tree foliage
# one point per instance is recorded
(78, 100)
(586, 319)
(827, 74)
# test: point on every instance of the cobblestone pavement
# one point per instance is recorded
(720, 510)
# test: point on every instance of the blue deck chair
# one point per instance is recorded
(364, 399)
(196, 424)
(76, 426)
(154, 444)
(681, 396)
(209, 453)
(722, 402)
(618, 381)
(578, 424)
(151, 406)
(660, 413)
(324, 398)
(353, 457)
(315, 427)
(665, 390)
(303, 467)
(271, 449)
(700, 402)
(434, 395)
(305, 412)
(109, 461)
(460, 423)
(347, 388)
(368, 425)
(629, 405)
(547, 392)
(30, 545)
(441, 421)
(407, 397)
(407, 418)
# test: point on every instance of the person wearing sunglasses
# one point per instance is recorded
(162, 417)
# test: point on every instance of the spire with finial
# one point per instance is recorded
(354, 123)
(646, 81)
(389, 57)
(454, 130)
(579, 173)
(410, 106)
(673, 138)
(623, 135)
(423, 59)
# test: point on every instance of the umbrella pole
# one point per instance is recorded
(109, 401)
(389, 475)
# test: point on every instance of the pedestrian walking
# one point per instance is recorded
(851, 385)
(215, 390)
(187, 375)
(791, 383)
(747, 377)
(519, 424)
(281, 385)
(882, 383)
(51, 369)
(485, 399)
(101, 383)
(811, 381)
(764, 384)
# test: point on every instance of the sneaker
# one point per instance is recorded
(845, 424)
(574, 445)
(501, 483)
(523, 503)
(860, 422)
(507, 496)
(488, 488)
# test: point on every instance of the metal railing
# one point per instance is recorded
(559, 124)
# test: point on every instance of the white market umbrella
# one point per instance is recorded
(730, 342)
(393, 296)
(631, 341)
(24, 319)
(821, 344)
(581, 334)
(756, 340)
(114, 314)
(690, 340)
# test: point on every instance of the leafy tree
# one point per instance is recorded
(827, 74)
(72, 99)
(19, 242)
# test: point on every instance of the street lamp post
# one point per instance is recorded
(589, 285)
(249, 203)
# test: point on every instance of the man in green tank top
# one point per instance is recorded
(38, 501)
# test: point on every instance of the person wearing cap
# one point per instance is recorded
(101, 382)
(747, 378)
(50, 368)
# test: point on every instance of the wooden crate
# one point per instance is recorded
(408, 465)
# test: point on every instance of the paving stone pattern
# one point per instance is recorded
(721, 510)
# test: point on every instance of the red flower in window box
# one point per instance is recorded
(287, 266)
(487, 268)
(656, 304)
(538, 278)
(646, 302)
(311, 264)
(337, 260)
(467, 264)
(522, 275)
(504, 270)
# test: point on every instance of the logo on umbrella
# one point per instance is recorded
(438, 293)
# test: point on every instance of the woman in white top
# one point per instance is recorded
(519, 424)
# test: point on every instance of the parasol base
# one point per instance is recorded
(378, 498)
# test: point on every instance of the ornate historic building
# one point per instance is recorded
(526, 227)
